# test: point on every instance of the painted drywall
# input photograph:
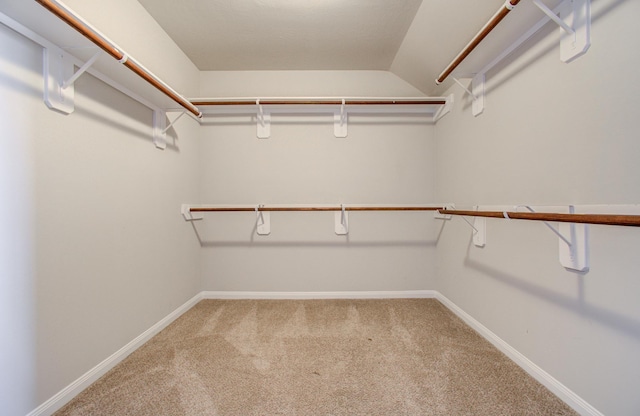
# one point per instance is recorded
(17, 273)
(109, 256)
(422, 55)
(304, 84)
(359, 34)
(384, 160)
(95, 251)
(131, 27)
(552, 134)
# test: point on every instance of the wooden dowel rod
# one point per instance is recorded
(117, 54)
(601, 219)
(495, 20)
(319, 102)
(336, 208)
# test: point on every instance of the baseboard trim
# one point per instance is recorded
(569, 397)
(65, 395)
(402, 294)
(563, 392)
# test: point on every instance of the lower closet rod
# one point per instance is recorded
(601, 219)
(336, 208)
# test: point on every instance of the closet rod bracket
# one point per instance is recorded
(573, 242)
(166, 129)
(479, 226)
(263, 123)
(340, 121)
(69, 82)
(439, 216)
(574, 19)
(477, 88)
(575, 254)
(342, 221)
(58, 69)
(160, 129)
(445, 109)
(476, 92)
(543, 7)
(263, 221)
(185, 210)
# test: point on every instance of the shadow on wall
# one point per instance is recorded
(130, 132)
(342, 241)
(16, 84)
(547, 30)
(286, 119)
(577, 305)
(17, 247)
(315, 244)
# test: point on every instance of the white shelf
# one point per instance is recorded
(50, 30)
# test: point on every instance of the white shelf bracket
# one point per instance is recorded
(479, 227)
(342, 221)
(438, 216)
(160, 129)
(476, 93)
(263, 221)
(263, 123)
(69, 82)
(573, 243)
(445, 109)
(575, 256)
(166, 129)
(58, 67)
(477, 89)
(574, 19)
(185, 210)
(340, 121)
(543, 7)
(467, 90)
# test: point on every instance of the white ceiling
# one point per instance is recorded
(413, 39)
(286, 34)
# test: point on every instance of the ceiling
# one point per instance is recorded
(286, 34)
(413, 39)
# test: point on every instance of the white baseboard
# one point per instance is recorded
(402, 294)
(65, 395)
(557, 388)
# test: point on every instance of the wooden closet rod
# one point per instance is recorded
(602, 219)
(491, 24)
(437, 101)
(335, 208)
(91, 34)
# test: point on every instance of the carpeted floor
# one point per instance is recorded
(317, 357)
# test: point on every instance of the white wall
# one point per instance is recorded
(383, 160)
(304, 84)
(419, 59)
(553, 134)
(17, 272)
(94, 250)
(131, 27)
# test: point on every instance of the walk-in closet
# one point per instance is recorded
(319, 207)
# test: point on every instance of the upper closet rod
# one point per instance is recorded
(602, 219)
(491, 24)
(101, 41)
(377, 101)
(335, 208)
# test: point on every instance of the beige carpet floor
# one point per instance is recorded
(317, 357)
